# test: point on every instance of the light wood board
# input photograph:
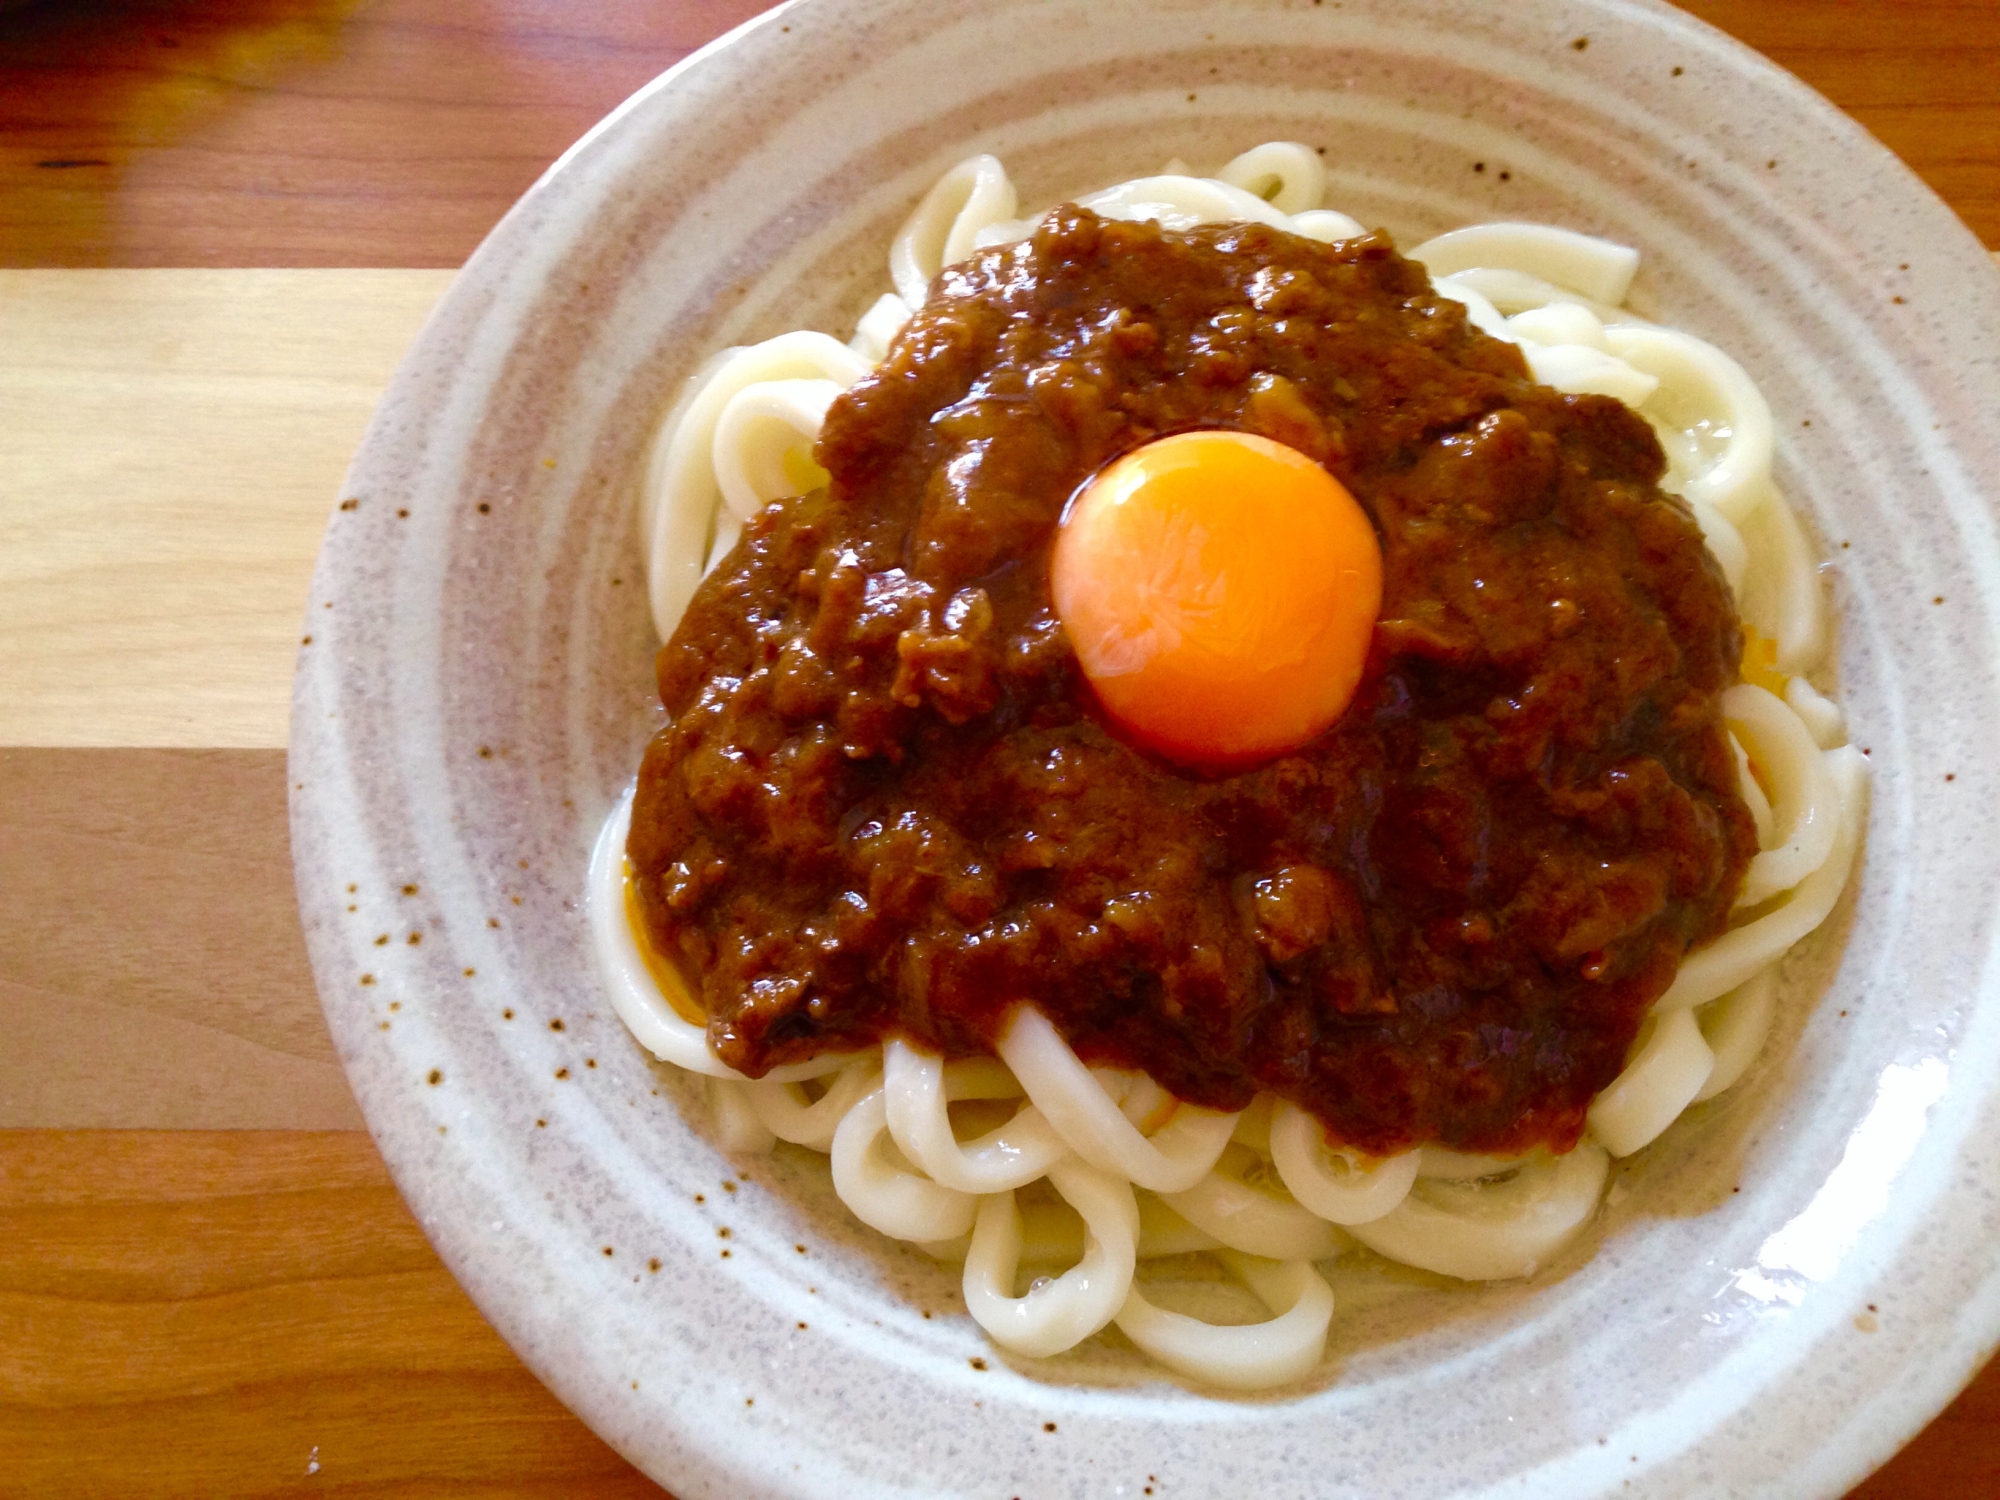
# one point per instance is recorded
(174, 442)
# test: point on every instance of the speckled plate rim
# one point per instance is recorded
(353, 783)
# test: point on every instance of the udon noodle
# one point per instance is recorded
(1034, 1158)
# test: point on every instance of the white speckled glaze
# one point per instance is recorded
(478, 690)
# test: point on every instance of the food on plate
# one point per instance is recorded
(1195, 731)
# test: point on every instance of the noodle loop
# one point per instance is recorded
(1059, 1314)
(1804, 808)
(1669, 1068)
(1244, 1357)
(1288, 176)
(1711, 418)
(904, 1205)
(1492, 1231)
(1335, 1184)
(1251, 1218)
(1739, 953)
(789, 1115)
(1735, 1027)
(1089, 1120)
(680, 498)
(1599, 269)
(763, 442)
(945, 228)
(918, 1086)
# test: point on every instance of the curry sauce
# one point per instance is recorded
(887, 804)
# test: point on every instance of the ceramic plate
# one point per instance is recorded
(1779, 1293)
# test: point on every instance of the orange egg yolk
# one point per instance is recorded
(1220, 591)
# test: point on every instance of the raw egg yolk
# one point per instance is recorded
(1220, 591)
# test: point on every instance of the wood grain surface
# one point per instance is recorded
(337, 133)
(187, 1309)
(151, 588)
(138, 1272)
(191, 1008)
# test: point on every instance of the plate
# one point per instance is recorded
(1780, 1292)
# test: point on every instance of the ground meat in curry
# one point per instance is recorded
(886, 804)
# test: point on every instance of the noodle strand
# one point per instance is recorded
(1058, 1314)
(1253, 1219)
(1249, 1356)
(904, 1205)
(917, 1089)
(1340, 1186)
(1492, 1231)
(1089, 1121)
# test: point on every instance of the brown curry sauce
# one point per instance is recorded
(886, 804)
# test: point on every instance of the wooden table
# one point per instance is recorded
(207, 1282)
